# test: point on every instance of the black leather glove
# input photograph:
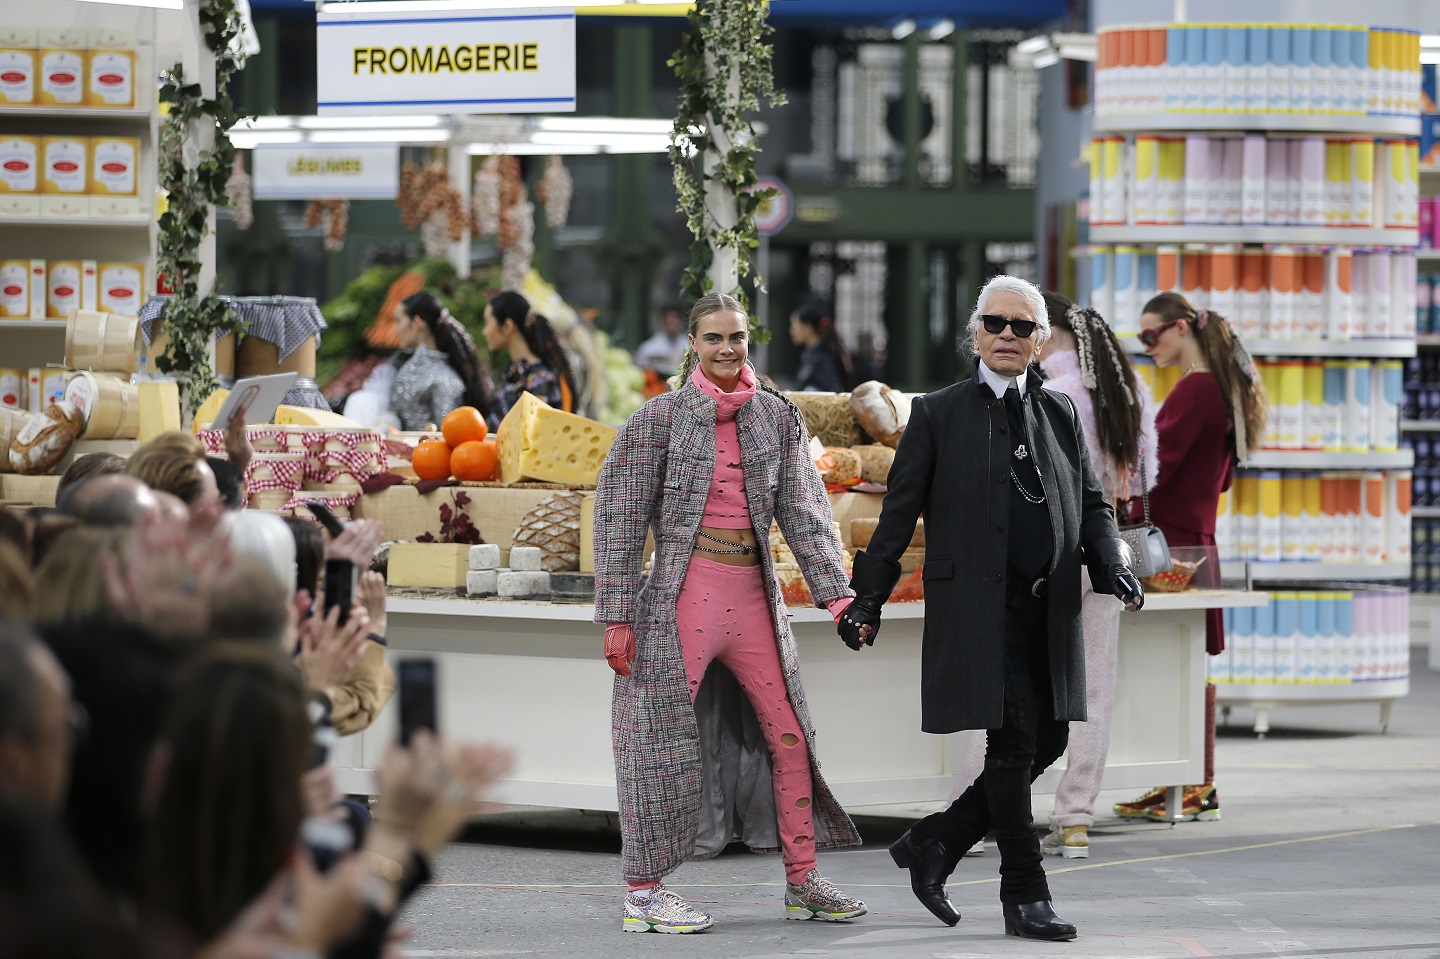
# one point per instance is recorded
(873, 579)
(1125, 587)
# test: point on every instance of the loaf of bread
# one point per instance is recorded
(45, 438)
(880, 411)
(912, 559)
(846, 470)
(875, 461)
(861, 531)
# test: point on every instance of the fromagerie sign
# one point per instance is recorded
(493, 61)
(326, 172)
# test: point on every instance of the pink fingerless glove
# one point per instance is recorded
(837, 607)
(620, 646)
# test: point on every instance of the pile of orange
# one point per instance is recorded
(465, 453)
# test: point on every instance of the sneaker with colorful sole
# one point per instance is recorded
(819, 898)
(1071, 842)
(1199, 804)
(663, 911)
(1136, 809)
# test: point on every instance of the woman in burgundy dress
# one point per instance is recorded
(1214, 417)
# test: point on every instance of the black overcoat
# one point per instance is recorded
(953, 467)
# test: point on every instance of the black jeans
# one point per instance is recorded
(1028, 741)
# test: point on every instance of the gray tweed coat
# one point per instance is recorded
(657, 478)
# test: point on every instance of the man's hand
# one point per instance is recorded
(859, 624)
(372, 596)
(1126, 588)
(620, 647)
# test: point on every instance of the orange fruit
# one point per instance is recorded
(463, 425)
(476, 460)
(431, 460)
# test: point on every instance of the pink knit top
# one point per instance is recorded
(726, 506)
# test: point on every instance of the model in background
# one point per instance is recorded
(1212, 418)
(1013, 510)
(1083, 360)
(824, 362)
(538, 363)
(707, 468)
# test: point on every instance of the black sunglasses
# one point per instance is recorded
(996, 324)
(1152, 336)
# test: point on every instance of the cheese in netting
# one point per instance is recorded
(540, 442)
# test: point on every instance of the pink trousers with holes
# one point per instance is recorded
(723, 613)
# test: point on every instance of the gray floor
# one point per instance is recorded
(1328, 848)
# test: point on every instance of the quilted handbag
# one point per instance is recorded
(1149, 552)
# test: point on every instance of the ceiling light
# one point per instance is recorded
(1033, 45)
(418, 121)
(604, 125)
(249, 141)
(1046, 59)
(531, 149)
(157, 4)
(1430, 41)
(454, 6)
(380, 136)
(903, 29)
(942, 29)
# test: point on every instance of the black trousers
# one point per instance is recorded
(1028, 741)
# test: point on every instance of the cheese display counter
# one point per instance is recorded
(532, 675)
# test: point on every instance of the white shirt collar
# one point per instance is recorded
(999, 384)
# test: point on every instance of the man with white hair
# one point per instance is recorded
(998, 467)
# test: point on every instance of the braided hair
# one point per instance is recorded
(708, 305)
(510, 307)
(1228, 361)
(1107, 373)
(459, 348)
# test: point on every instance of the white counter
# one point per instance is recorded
(533, 675)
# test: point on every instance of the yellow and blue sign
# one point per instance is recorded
(495, 61)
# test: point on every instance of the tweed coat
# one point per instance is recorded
(657, 477)
(953, 465)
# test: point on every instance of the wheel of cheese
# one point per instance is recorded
(272, 501)
(875, 461)
(44, 439)
(846, 468)
(108, 405)
(880, 411)
(102, 342)
(276, 472)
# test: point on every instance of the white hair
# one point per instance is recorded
(1024, 289)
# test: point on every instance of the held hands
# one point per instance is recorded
(620, 647)
(1126, 588)
(859, 624)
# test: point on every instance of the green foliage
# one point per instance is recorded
(192, 321)
(726, 39)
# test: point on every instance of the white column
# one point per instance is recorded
(720, 202)
(459, 162)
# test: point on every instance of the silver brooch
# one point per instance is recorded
(1020, 452)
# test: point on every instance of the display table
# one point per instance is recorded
(532, 675)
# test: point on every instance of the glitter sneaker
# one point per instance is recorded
(1072, 842)
(1198, 803)
(819, 898)
(1136, 809)
(663, 911)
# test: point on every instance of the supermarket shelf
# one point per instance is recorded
(52, 325)
(1302, 235)
(1420, 426)
(1314, 572)
(1277, 122)
(1381, 349)
(94, 223)
(81, 113)
(1362, 691)
(1316, 460)
(1425, 512)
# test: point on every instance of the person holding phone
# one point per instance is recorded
(707, 468)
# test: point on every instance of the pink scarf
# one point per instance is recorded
(727, 404)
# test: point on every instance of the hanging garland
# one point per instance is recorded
(485, 198)
(724, 68)
(335, 215)
(194, 184)
(427, 201)
(501, 206)
(240, 193)
(555, 188)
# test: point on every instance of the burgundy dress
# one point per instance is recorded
(1197, 464)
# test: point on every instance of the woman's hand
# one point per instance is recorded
(429, 789)
(328, 650)
(357, 543)
(372, 597)
(620, 647)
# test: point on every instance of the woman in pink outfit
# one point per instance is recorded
(705, 469)
(1083, 360)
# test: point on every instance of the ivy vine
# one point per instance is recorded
(724, 68)
(194, 185)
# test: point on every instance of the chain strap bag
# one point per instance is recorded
(1149, 552)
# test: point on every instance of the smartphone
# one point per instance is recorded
(327, 519)
(416, 679)
(340, 582)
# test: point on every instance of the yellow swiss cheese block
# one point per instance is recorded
(304, 416)
(438, 565)
(159, 408)
(540, 442)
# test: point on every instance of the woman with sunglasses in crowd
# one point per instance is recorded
(1212, 419)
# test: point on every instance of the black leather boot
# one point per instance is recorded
(1036, 920)
(930, 864)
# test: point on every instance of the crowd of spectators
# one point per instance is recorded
(171, 681)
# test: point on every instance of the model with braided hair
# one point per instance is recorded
(1083, 360)
(1214, 417)
(706, 468)
(538, 363)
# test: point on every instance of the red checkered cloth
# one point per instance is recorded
(323, 465)
(286, 475)
(331, 500)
